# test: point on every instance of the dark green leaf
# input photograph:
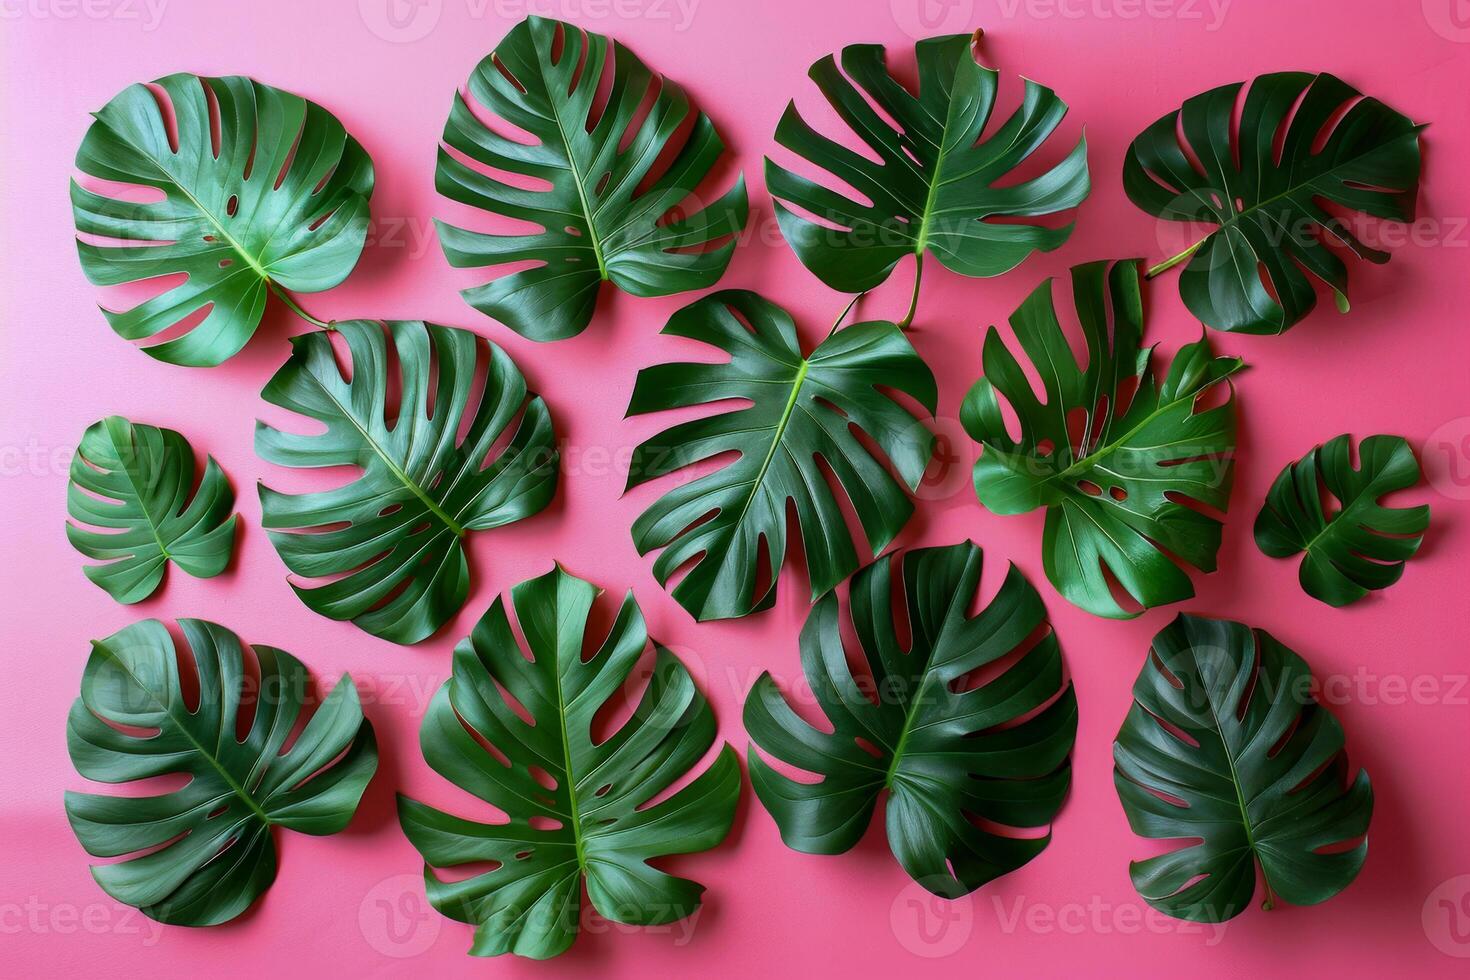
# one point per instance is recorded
(207, 850)
(1107, 466)
(801, 421)
(1363, 545)
(517, 733)
(1225, 750)
(621, 203)
(134, 482)
(390, 544)
(1255, 272)
(934, 187)
(276, 195)
(915, 724)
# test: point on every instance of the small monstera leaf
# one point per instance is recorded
(391, 542)
(1225, 751)
(805, 414)
(135, 483)
(1107, 466)
(262, 191)
(1255, 273)
(205, 852)
(517, 733)
(934, 187)
(949, 752)
(621, 205)
(1364, 545)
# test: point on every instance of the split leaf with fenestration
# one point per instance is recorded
(201, 854)
(388, 548)
(1363, 545)
(136, 484)
(800, 430)
(1285, 186)
(954, 730)
(1108, 460)
(1225, 752)
(610, 187)
(577, 806)
(261, 191)
(940, 185)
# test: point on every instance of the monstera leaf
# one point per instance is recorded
(518, 734)
(135, 482)
(619, 203)
(262, 191)
(1225, 751)
(934, 187)
(205, 852)
(391, 542)
(1275, 235)
(1108, 466)
(1362, 546)
(949, 752)
(803, 421)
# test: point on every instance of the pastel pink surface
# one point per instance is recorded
(353, 903)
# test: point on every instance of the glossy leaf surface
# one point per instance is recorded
(518, 734)
(1109, 447)
(967, 726)
(201, 854)
(1225, 753)
(387, 549)
(254, 188)
(801, 421)
(134, 507)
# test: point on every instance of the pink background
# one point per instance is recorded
(353, 903)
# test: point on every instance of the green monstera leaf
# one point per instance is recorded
(1274, 237)
(933, 189)
(518, 734)
(804, 417)
(620, 202)
(203, 853)
(262, 191)
(134, 483)
(1107, 465)
(949, 751)
(1361, 547)
(390, 544)
(1225, 751)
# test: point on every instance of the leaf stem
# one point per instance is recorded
(843, 315)
(908, 319)
(1170, 263)
(295, 307)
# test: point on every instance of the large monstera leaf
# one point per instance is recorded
(948, 752)
(1275, 235)
(804, 416)
(1107, 466)
(1225, 751)
(390, 544)
(518, 734)
(133, 505)
(203, 853)
(621, 203)
(934, 187)
(262, 191)
(1361, 547)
